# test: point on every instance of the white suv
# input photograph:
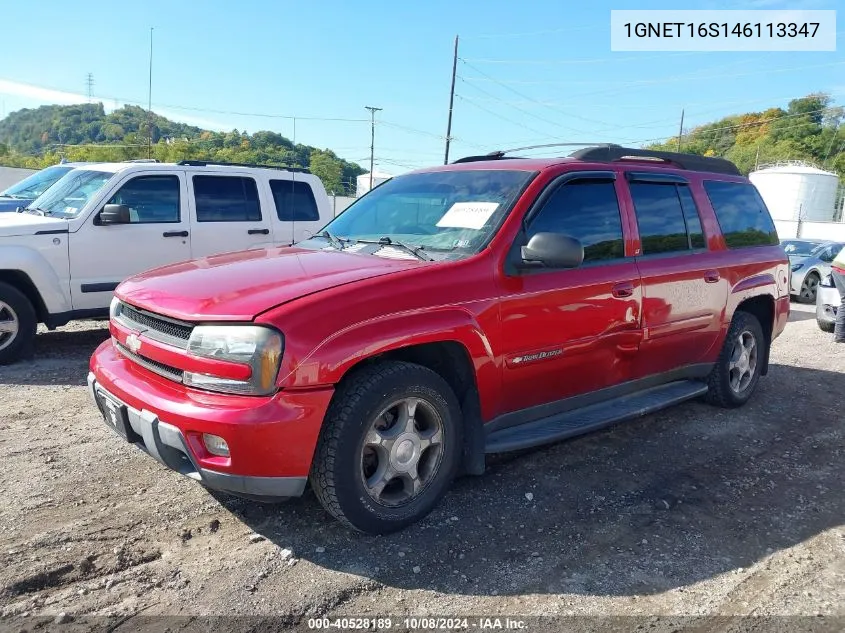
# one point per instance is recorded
(61, 259)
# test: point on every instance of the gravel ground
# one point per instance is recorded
(692, 511)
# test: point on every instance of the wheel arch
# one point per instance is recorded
(762, 307)
(22, 282)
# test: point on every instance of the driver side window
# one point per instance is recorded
(151, 199)
(587, 210)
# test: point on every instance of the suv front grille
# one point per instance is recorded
(152, 365)
(156, 327)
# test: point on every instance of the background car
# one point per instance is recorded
(827, 304)
(24, 192)
(809, 261)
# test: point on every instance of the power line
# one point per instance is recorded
(500, 116)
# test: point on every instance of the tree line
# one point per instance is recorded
(43, 136)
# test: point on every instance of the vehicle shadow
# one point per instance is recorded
(800, 315)
(60, 357)
(655, 504)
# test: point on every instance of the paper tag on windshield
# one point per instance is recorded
(467, 215)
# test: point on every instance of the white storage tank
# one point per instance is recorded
(363, 182)
(797, 190)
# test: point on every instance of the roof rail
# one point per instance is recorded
(491, 156)
(692, 162)
(214, 163)
(142, 160)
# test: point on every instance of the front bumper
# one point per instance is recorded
(827, 303)
(271, 439)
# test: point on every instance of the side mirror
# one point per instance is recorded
(115, 214)
(553, 250)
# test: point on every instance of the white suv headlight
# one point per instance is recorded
(254, 345)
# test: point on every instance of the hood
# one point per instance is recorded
(240, 286)
(10, 204)
(28, 224)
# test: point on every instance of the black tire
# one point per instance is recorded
(721, 392)
(337, 473)
(826, 326)
(809, 288)
(15, 305)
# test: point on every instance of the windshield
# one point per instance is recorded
(33, 186)
(70, 193)
(799, 247)
(453, 212)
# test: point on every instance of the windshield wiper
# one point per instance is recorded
(38, 211)
(413, 250)
(334, 240)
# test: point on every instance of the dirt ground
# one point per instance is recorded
(692, 511)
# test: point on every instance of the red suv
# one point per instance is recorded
(488, 305)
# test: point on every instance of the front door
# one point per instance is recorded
(570, 332)
(227, 214)
(157, 234)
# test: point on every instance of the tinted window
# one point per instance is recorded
(660, 218)
(694, 230)
(294, 201)
(226, 199)
(588, 211)
(742, 214)
(151, 199)
(667, 217)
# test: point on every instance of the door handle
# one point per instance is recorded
(623, 290)
(175, 234)
(712, 276)
(258, 232)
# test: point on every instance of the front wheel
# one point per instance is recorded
(18, 323)
(738, 368)
(389, 447)
(809, 288)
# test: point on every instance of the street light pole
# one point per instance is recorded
(372, 138)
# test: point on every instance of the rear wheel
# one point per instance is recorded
(389, 447)
(737, 371)
(809, 288)
(18, 324)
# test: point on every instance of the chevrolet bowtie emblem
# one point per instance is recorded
(133, 343)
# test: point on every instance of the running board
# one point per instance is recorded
(591, 418)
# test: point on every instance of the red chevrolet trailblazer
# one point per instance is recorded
(489, 305)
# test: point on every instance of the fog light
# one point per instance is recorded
(215, 444)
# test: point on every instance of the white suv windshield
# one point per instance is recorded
(442, 211)
(36, 184)
(66, 198)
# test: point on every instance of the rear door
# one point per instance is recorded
(297, 214)
(684, 295)
(227, 213)
(158, 234)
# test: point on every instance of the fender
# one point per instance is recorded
(333, 357)
(762, 284)
(53, 290)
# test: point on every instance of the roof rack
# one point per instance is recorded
(692, 162)
(214, 163)
(142, 160)
(611, 152)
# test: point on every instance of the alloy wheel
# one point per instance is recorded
(743, 363)
(9, 325)
(402, 451)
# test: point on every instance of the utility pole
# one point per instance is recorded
(451, 102)
(150, 102)
(372, 138)
(681, 131)
(89, 85)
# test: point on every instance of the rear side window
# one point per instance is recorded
(226, 199)
(742, 214)
(294, 201)
(587, 210)
(667, 218)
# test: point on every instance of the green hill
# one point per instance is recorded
(809, 129)
(42, 136)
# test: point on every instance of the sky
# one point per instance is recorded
(528, 73)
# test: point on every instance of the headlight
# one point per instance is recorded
(259, 347)
(796, 267)
(114, 307)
